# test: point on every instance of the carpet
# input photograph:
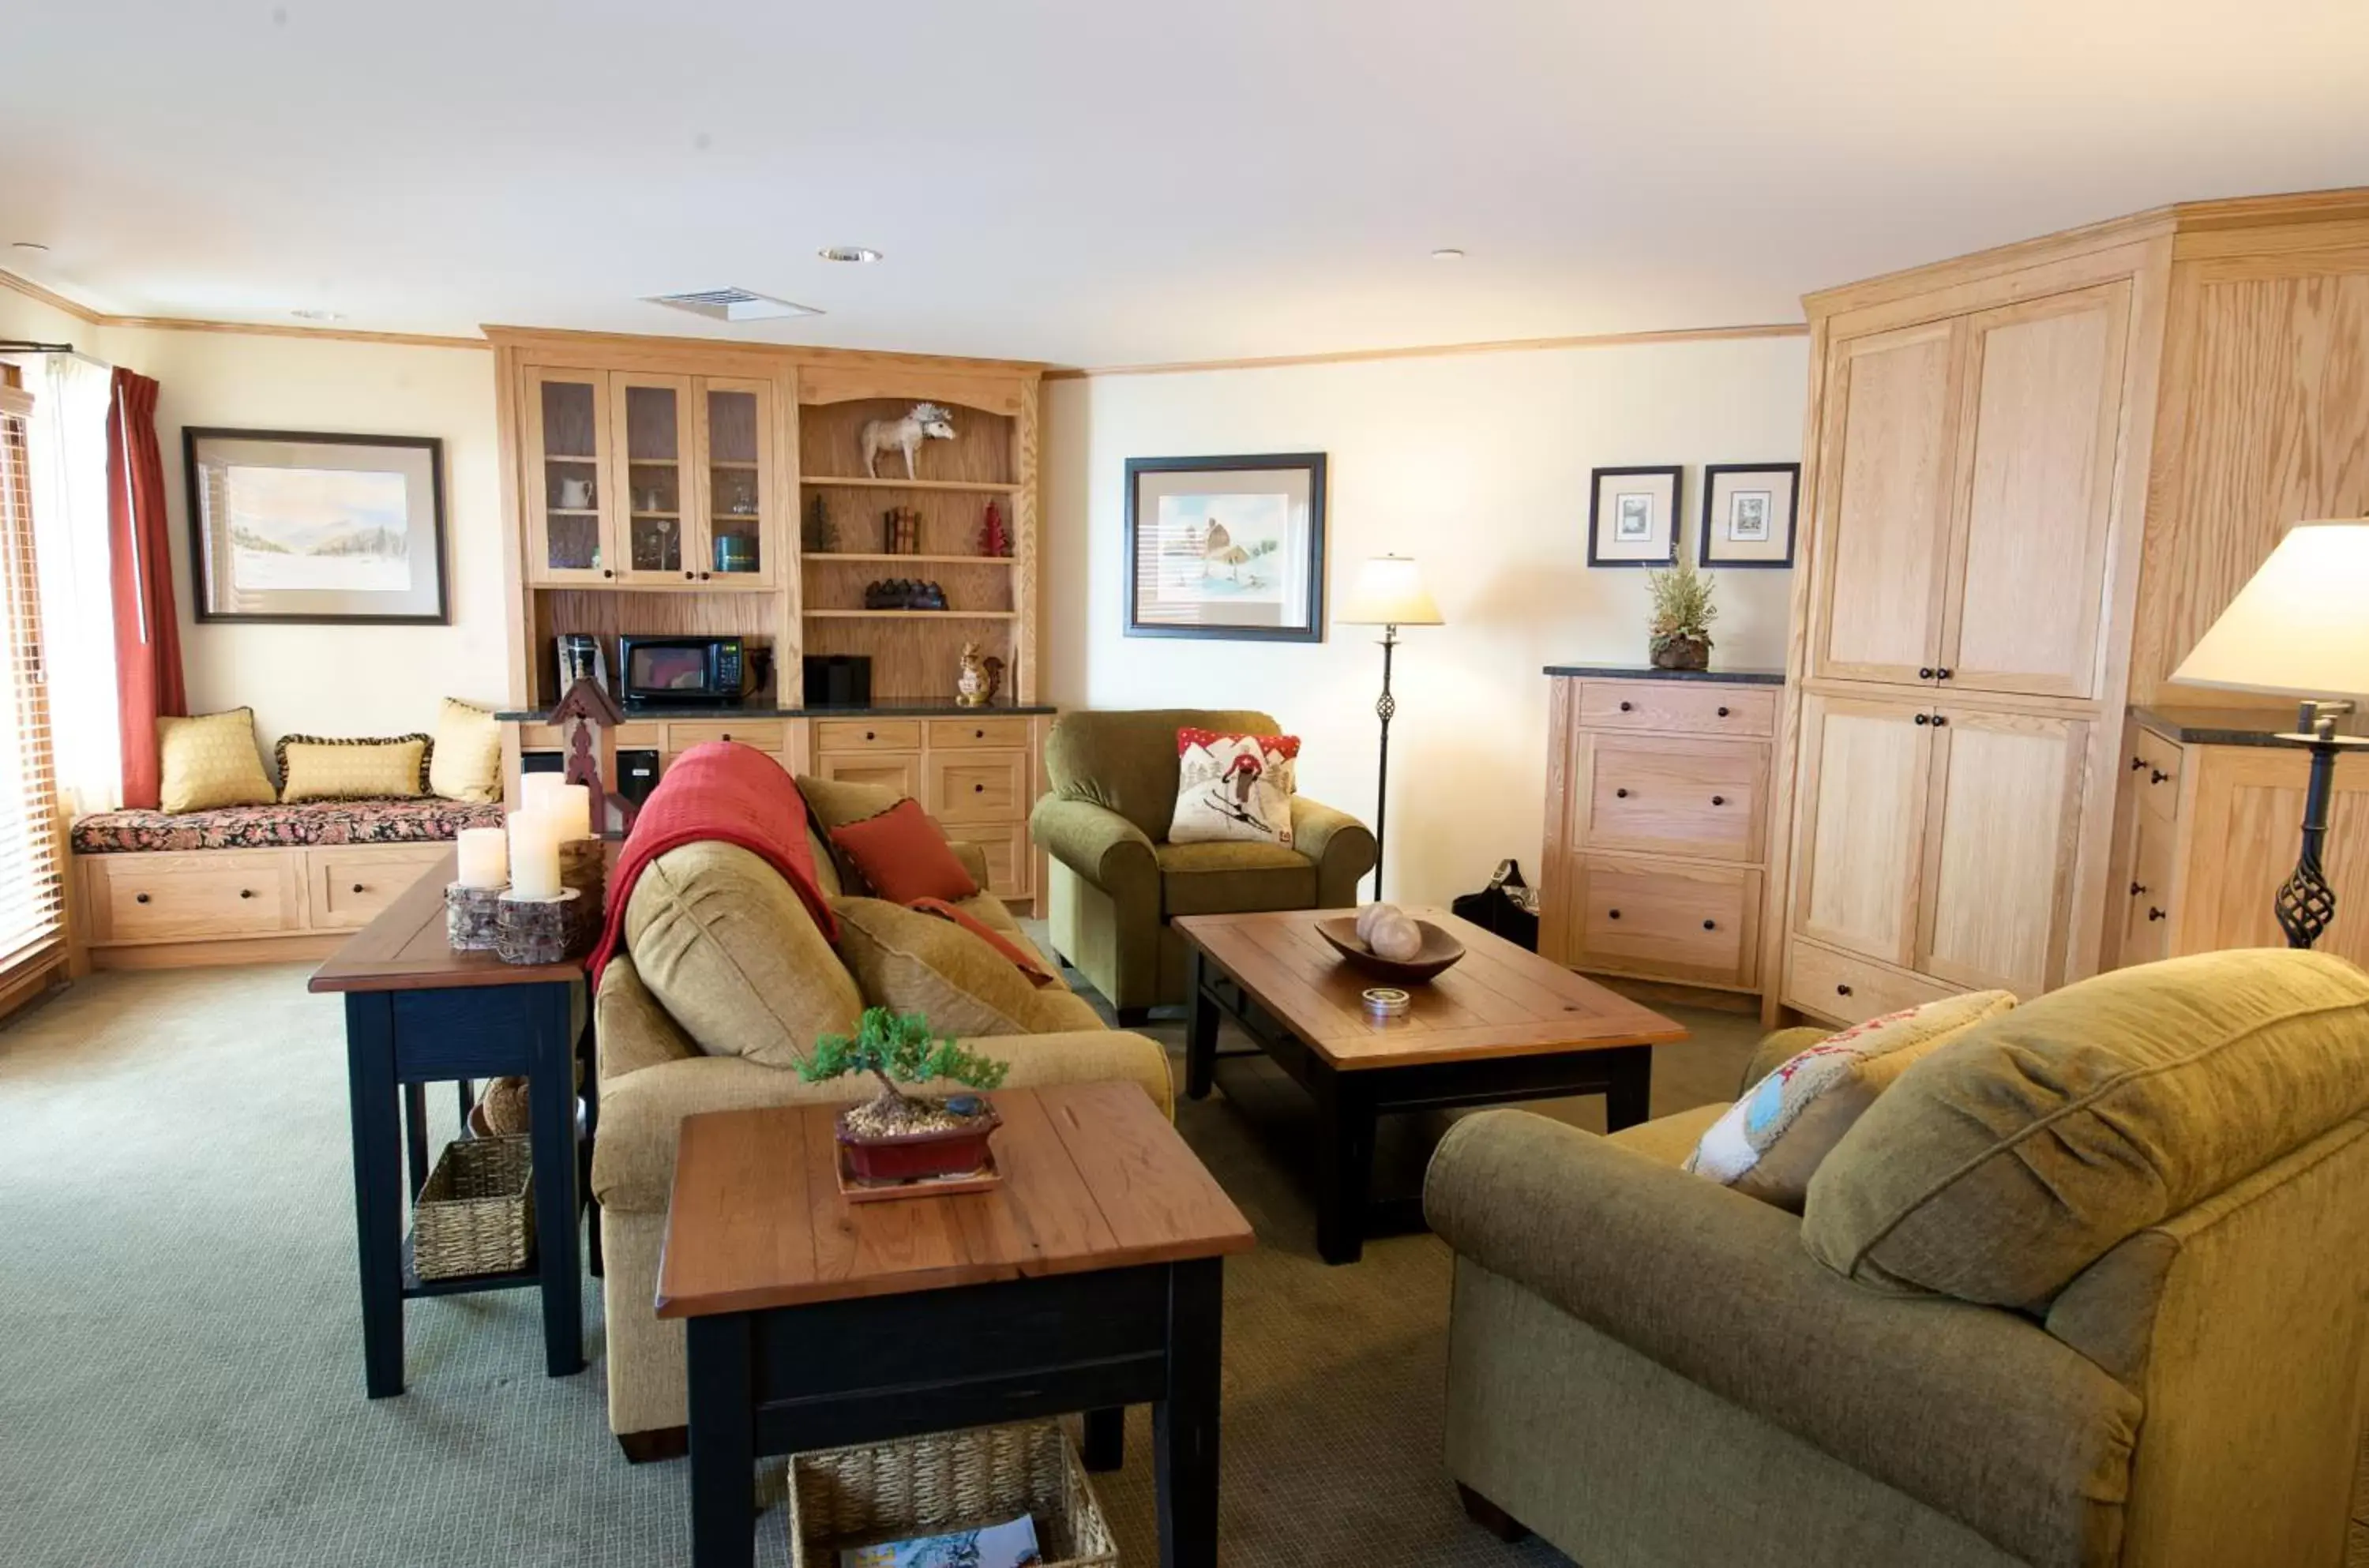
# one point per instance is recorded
(180, 1369)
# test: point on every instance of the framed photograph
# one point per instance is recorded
(1227, 548)
(1632, 517)
(1748, 514)
(295, 526)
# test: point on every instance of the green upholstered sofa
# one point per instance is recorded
(1648, 1368)
(1114, 877)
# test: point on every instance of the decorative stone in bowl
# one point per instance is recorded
(1438, 952)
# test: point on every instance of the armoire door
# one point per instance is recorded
(1884, 490)
(2043, 404)
(1865, 774)
(2000, 835)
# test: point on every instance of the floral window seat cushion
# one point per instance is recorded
(282, 826)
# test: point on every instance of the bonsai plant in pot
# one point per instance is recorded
(897, 1136)
(1679, 637)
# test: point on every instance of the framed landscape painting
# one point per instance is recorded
(1632, 517)
(1748, 514)
(1226, 547)
(291, 526)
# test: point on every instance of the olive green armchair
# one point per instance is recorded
(1115, 879)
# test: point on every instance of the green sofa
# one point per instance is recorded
(1115, 879)
(2150, 1356)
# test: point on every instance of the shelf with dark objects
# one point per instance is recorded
(1647, 672)
(942, 708)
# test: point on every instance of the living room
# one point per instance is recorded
(544, 562)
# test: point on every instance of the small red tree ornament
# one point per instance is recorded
(993, 538)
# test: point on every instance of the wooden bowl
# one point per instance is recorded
(1439, 951)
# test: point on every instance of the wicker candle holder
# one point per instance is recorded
(584, 867)
(536, 931)
(472, 916)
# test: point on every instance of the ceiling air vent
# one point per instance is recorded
(732, 304)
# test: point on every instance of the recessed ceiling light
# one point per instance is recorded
(1448, 253)
(317, 315)
(848, 253)
(28, 245)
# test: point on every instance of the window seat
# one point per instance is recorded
(279, 825)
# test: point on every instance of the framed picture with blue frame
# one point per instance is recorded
(1226, 547)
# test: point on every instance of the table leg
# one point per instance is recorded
(1345, 1153)
(372, 1098)
(1184, 1424)
(1105, 1444)
(1628, 1098)
(1200, 1026)
(551, 1100)
(467, 1092)
(723, 1441)
(415, 1133)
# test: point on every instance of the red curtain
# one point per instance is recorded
(147, 630)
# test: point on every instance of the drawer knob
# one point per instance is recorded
(1923, 718)
(139, 898)
(1614, 914)
(1621, 795)
(1710, 925)
(246, 892)
(728, 735)
(978, 789)
(2156, 776)
(358, 887)
(1628, 707)
(1723, 713)
(869, 736)
(691, 576)
(979, 735)
(2154, 914)
(1719, 800)
(2137, 764)
(1842, 991)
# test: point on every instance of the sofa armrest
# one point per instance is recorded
(973, 858)
(1776, 1048)
(641, 1113)
(630, 1030)
(1342, 847)
(1098, 844)
(1975, 1412)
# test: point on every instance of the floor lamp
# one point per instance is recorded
(1388, 593)
(2296, 629)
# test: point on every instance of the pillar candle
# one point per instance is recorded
(484, 857)
(534, 854)
(571, 807)
(535, 790)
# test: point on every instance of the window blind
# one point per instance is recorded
(32, 904)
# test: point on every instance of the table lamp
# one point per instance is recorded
(2297, 628)
(1388, 593)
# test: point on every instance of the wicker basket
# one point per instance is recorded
(877, 1492)
(477, 1213)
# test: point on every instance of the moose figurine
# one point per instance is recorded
(927, 421)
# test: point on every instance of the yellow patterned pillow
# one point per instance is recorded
(313, 767)
(210, 760)
(467, 764)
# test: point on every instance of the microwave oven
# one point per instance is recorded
(659, 671)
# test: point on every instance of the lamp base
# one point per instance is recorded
(2307, 903)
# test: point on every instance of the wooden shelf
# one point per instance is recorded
(570, 511)
(722, 463)
(657, 517)
(912, 615)
(981, 487)
(918, 560)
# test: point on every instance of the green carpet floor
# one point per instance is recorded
(181, 1371)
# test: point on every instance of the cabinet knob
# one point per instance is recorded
(728, 735)
(979, 735)
(2156, 776)
(1926, 673)
(1626, 707)
(2154, 914)
(1923, 718)
(1710, 925)
(139, 898)
(1615, 914)
(1719, 800)
(358, 887)
(691, 576)
(1842, 991)
(1723, 713)
(1942, 673)
(869, 736)
(2137, 889)
(1941, 720)
(978, 789)
(246, 892)
(606, 572)
(2137, 764)
(1619, 794)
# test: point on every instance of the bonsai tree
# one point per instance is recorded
(896, 1050)
(1679, 635)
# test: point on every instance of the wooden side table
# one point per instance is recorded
(1090, 1280)
(418, 1012)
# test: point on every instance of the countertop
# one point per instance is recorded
(946, 708)
(2230, 726)
(1647, 672)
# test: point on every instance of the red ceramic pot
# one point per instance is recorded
(954, 1152)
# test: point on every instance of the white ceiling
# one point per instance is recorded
(1102, 182)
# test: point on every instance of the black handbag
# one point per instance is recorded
(1508, 907)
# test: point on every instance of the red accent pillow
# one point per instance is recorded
(987, 934)
(904, 856)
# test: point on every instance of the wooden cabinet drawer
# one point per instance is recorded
(977, 786)
(867, 735)
(1667, 795)
(2147, 896)
(347, 888)
(181, 897)
(1667, 704)
(950, 734)
(643, 733)
(2154, 766)
(899, 771)
(1849, 990)
(1010, 867)
(1663, 920)
(765, 734)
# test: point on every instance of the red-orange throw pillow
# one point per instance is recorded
(904, 856)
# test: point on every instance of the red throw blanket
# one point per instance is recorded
(717, 790)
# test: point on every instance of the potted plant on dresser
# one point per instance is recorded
(898, 1136)
(1679, 635)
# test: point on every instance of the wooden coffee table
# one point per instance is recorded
(1092, 1279)
(1502, 1025)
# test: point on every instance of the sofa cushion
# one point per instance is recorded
(278, 826)
(467, 762)
(903, 856)
(210, 760)
(2008, 1161)
(1234, 878)
(912, 962)
(1125, 760)
(323, 767)
(722, 942)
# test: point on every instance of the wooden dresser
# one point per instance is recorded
(1657, 822)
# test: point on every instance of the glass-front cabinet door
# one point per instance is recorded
(735, 420)
(568, 481)
(651, 416)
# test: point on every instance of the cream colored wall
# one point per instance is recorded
(1478, 466)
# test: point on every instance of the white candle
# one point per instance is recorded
(571, 807)
(534, 854)
(484, 857)
(535, 790)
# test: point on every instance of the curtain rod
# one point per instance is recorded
(26, 346)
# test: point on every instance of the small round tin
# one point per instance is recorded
(1387, 1001)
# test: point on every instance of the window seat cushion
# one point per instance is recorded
(280, 825)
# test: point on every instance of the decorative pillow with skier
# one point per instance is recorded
(1233, 787)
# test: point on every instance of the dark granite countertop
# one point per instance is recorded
(1647, 672)
(2229, 727)
(946, 708)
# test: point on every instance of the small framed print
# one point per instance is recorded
(1632, 517)
(1748, 514)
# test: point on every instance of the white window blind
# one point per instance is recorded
(32, 895)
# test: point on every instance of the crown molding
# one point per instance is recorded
(1442, 350)
(80, 312)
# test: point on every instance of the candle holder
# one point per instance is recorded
(584, 867)
(536, 931)
(471, 916)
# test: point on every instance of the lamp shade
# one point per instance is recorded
(1389, 592)
(2298, 627)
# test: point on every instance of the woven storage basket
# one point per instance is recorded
(877, 1492)
(477, 1213)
